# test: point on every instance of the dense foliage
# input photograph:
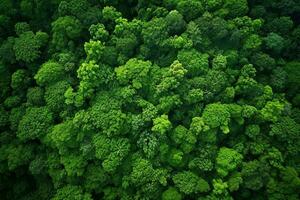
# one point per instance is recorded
(149, 99)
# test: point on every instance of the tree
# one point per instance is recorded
(18, 155)
(74, 164)
(203, 160)
(293, 73)
(154, 32)
(75, 8)
(275, 42)
(217, 115)
(263, 61)
(91, 76)
(27, 45)
(252, 131)
(16, 114)
(190, 9)
(195, 62)
(252, 43)
(161, 124)
(20, 80)
(281, 25)
(50, 72)
(227, 160)
(254, 174)
(186, 139)
(71, 192)
(98, 32)
(134, 72)
(95, 178)
(236, 8)
(171, 194)
(143, 174)
(285, 130)
(272, 110)
(64, 30)
(148, 143)
(4, 117)
(188, 183)
(54, 96)
(220, 189)
(172, 78)
(35, 96)
(175, 22)
(111, 151)
(21, 27)
(219, 62)
(110, 15)
(63, 137)
(35, 124)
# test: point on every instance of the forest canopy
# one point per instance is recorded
(149, 99)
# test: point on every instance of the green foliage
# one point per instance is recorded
(111, 151)
(190, 9)
(35, 96)
(217, 115)
(272, 110)
(161, 124)
(98, 32)
(263, 61)
(219, 62)
(74, 164)
(54, 96)
(175, 22)
(186, 139)
(71, 192)
(236, 8)
(171, 194)
(220, 190)
(148, 142)
(203, 161)
(275, 42)
(16, 114)
(149, 100)
(20, 79)
(286, 130)
(95, 178)
(252, 130)
(7, 53)
(27, 46)
(91, 76)
(189, 183)
(12, 101)
(227, 160)
(252, 43)
(281, 25)
(34, 124)
(64, 30)
(18, 155)
(293, 73)
(134, 72)
(21, 27)
(234, 182)
(254, 175)
(143, 174)
(75, 8)
(50, 72)
(4, 117)
(195, 62)
(6, 6)
(155, 32)
(63, 136)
